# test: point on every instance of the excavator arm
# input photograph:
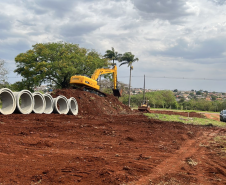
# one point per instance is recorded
(102, 71)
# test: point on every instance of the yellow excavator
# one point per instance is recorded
(90, 84)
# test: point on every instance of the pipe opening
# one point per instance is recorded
(39, 103)
(7, 101)
(73, 106)
(61, 105)
(24, 102)
(49, 104)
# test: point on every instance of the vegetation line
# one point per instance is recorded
(168, 99)
(186, 120)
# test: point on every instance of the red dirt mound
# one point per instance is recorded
(92, 104)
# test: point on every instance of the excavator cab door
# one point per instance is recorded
(117, 92)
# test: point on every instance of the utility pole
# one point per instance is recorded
(144, 90)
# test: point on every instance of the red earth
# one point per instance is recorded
(107, 143)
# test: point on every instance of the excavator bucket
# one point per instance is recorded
(117, 92)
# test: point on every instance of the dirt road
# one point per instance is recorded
(115, 148)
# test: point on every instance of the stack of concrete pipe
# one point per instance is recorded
(25, 102)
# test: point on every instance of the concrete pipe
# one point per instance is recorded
(73, 106)
(8, 101)
(24, 102)
(49, 104)
(60, 105)
(39, 103)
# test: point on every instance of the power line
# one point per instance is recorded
(181, 78)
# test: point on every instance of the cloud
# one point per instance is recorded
(211, 48)
(12, 47)
(168, 10)
(58, 8)
(218, 2)
(78, 29)
(5, 22)
(170, 38)
(26, 23)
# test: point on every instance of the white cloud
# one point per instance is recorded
(170, 38)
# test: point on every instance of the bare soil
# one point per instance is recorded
(107, 143)
(214, 116)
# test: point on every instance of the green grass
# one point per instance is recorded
(186, 120)
(178, 110)
(0, 104)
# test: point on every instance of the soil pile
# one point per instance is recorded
(92, 104)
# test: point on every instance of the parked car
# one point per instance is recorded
(223, 115)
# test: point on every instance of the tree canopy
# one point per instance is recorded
(157, 99)
(112, 55)
(128, 58)
(56, 62)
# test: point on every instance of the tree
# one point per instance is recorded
(128, 58)
(192, 94)
(182, 100)
(213, 97)
(56, 63)
(168, 97)
(112, 55)
(3, 72)
(199, 92)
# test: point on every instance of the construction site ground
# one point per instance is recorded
(107, 143)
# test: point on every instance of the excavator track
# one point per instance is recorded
(94, 91)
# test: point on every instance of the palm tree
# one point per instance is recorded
(112, 55)
(128, 58)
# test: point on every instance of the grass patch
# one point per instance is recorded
(178, 110)
(186, 120)
(0, 104)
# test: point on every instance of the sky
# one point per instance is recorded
(180, 44)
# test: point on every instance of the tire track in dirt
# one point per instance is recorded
(177, 161)
(214, 116)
